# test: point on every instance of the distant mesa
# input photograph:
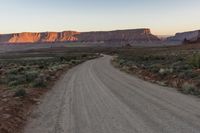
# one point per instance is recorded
(128, 36)
(186, 37)
(30, 37)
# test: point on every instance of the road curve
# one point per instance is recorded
(94, 97)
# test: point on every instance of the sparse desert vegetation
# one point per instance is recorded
(165, 66)
(36, 72)
(74, 66)
(24, 79)
(26, 76)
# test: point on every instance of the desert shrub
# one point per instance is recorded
(182, 75)
(180, 65)
(42, 66)
(129, 63)
(15, 79)
(195, 60)
(31, 75)
(69, 58)
(62, 59)
(166, 71)
(191, 74)
(154, 68)
(84, 56)
(73, 62)
(189, 88)
(151, 58)
(55, 68)
(187, 74)
(2, 80)
(20, 93)
(14, 83)
(14, 71)
(121, 62)
(39, 82)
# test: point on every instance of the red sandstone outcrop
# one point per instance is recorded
(58, 36)
(24, 37)
(136, 35)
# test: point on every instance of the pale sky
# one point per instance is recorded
(163, 17)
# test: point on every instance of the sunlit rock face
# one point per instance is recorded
(135, 35)
(186, 36)
(25, 37)
(29, 37)
(58, 36)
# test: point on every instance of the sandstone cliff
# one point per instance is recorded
(129, 36)
(191, 36)
(137, 35)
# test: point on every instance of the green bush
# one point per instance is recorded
(195, 60)
(39, 82)
(20, 93)
(56, 67)
(69, 58)
(31, 75)
(14, 80)
(187, 74)
(62, 59)
(14, 83)
(73, 62)
(180, 66)
(154, 69)
(84, 56)
(166, 71)
(121, 62)
(150, 58)
(188, 88)
(14, 71)
(42, 66)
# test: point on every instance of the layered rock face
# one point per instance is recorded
(190, 36)
(28, 37)
(58, 36)
(136, 35)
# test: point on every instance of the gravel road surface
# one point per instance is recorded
(94, 97)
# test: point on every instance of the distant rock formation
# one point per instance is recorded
(137, 35)
(29, 37)
(129, 36)
(186, 37)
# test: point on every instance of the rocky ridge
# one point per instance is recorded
(129, 36)
(191, 36)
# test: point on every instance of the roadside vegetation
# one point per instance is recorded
(26, 73)
(167, 67)
(26, 76)
(24, 79)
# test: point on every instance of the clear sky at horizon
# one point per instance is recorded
(163, 17)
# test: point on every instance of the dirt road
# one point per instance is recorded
(94, 97)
